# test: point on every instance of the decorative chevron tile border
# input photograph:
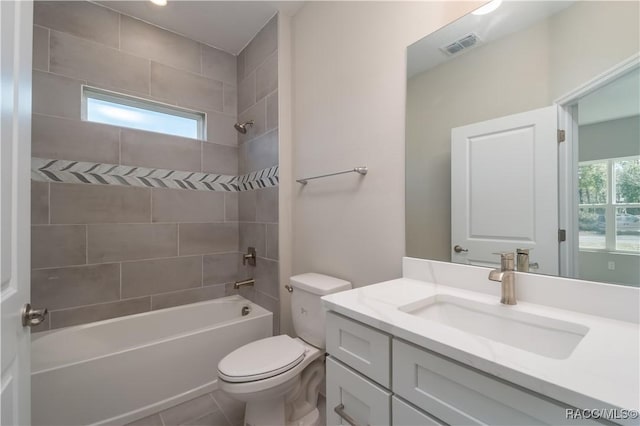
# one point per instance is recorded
(67, 171)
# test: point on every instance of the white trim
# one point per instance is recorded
(600, 80)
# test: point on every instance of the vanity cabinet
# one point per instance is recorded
(360, 401)
(375, 379)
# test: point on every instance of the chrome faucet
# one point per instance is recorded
(522, 263)
(507, 277)
(522, 260)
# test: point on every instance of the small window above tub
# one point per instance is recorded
(101, 106)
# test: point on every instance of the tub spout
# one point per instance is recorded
(243, 283)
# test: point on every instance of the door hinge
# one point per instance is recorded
(562, 135)
(562, 235)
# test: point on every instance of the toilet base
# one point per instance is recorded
(311, 419)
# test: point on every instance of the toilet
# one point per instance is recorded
(279, 377)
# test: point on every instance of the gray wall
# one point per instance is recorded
(609, 139)
(258, 149)
(545, 61)
(349, 79)
(105, 251)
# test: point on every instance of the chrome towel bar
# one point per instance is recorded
(360, 170)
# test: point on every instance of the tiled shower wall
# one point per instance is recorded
(258, 149)
(105, 251)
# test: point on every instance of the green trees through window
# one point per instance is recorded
(609, 205)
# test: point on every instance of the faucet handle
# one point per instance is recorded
(506, 260)
(505, 254)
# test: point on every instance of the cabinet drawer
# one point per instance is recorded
(360, 347)
(406, 415)
(361, 399)
(459, 395)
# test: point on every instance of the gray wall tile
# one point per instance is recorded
(39, 202)
(259, 153)
(231, 206)
(273, 246)
(81, 203)
(247, 202)
(149, 149)
(230, 103)
(85, 314)
(271, 304)
(221, 159)
(185, 88)
(161, 275)
(247, 92)
(220, 129)
(56, 95)
(272, 111)
(267, 205)
(257, 113)
(40, 48)
(60, 288)
(267, 277)
(204, 238)
(58, 245)
(240, 66)
(155, 43)
(263, 44)
(267, 76)
(218, 65)
(109, 243)
(179, 205)
(189, 410)
(220, 268)
(78, 58)
(65, 139)
(253, 235)
(183, 297)
(82, 19)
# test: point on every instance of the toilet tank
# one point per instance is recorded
(306, 306)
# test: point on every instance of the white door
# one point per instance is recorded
(15, 157)
(504, 189)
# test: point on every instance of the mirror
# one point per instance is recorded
(485, 172)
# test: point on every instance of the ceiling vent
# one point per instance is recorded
(461, 44)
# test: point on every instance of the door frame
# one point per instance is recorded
(568, 160)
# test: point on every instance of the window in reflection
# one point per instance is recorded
(609, 211)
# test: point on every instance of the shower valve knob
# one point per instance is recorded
(250, 256)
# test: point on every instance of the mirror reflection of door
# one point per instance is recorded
(504, 192)
(523, 56)
(608, 184)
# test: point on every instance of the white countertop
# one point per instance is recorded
(603, 371)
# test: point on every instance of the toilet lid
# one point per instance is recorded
(261, 359)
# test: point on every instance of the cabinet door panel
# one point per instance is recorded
(361, 347)
(363, 400)
(459, 395)
(406, 415)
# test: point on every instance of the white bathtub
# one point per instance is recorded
(123, 369)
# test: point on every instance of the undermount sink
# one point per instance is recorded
(533, 333)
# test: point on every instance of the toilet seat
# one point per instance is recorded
(261, 359)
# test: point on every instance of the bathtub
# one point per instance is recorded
(119, 370)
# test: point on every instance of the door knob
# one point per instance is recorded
(459, 249)
(32, 317)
